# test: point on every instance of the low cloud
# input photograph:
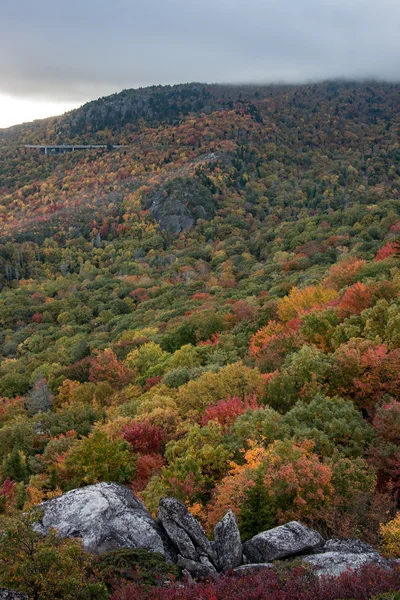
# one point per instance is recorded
(80, 49)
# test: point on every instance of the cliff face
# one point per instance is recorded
(178, 205)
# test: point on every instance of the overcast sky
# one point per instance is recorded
(56, 54)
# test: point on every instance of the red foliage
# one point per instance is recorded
(8, 407)
(390, 249)
(151, 382)
(365, 372)
(7, 494)
(227, 411)
(140, 294)
(272, 343)
(105, 366)
(144, 438)
(147, 465)
(298, 584)
(7, 490)
(356, 298)
(37, 318)
(201, 296)
(345, 272)
(185, 490)
(213, 341)
(243, 310)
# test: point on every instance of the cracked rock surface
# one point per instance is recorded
(335, 563)
(12, 595)
(228, 544)
(281, 542)
(185, 532)
(107, 516)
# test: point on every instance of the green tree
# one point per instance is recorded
(332, 423)
(14, 466)
(97, 458)
(44, 567)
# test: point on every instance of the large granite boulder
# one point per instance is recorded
(228, 545)
(107, 516)
(12, 595)
(348, 546)
(284, 541)
(184, 531)
(201, 569)
(334, 564)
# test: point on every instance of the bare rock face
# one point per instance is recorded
(12, 595)
(107, 516)
(253, 567)
(179, 204)
(228, 544)
(185, 532)
(335, 563)
(281, 542)
(348, 546)
(201, 569)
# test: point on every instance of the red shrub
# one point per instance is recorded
(297, 584)
(144, 438)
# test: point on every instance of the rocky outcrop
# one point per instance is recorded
(253, 567)
(185, 532)
(106, 516)
(200, 569)
(228, 545)
(285, 541)
(348, 546)
(12, 595)
(335, 563)
(179, 204)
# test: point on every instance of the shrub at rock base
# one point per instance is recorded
(134, 564)
(298, 584)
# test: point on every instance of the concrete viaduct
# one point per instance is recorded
(64, 148)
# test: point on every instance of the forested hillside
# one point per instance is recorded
(212, 311)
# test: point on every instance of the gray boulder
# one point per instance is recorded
(281, 542)
(201, 569)
(179, 204)
(228, 544)
(348, 546)
(184, 531)
(335, 563)
(12, 595)
(253, 567)
(107, 516)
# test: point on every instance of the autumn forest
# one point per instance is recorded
(209, 312)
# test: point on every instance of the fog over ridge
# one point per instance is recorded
(79, 50)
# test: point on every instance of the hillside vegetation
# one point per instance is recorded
(212, 311)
